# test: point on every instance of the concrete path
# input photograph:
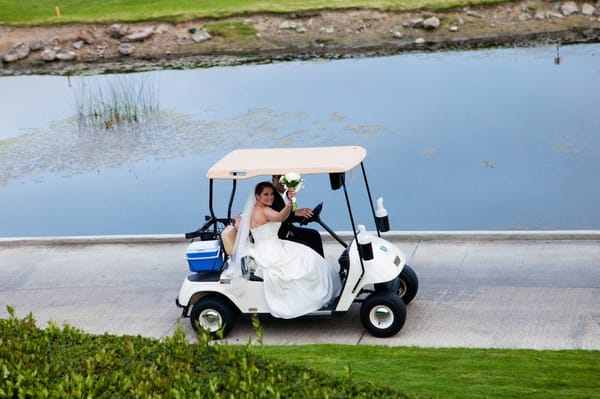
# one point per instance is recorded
(488, 290)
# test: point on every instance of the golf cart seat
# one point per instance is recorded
(228, 239)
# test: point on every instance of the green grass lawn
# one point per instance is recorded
(38, 12)
(455, 372)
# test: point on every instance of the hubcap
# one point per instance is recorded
(402, 288)
(210, 320)
(381, 316)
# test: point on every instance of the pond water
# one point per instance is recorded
(496, 139)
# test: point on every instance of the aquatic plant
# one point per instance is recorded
(115, 100)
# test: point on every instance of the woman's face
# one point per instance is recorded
(265, 198)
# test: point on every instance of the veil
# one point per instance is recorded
(242, 239)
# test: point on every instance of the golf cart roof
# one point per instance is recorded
(247, 163)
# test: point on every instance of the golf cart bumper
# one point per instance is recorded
(245, 294)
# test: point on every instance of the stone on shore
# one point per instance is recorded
(588, 9)
(18, 52)
(139, 35)
(568, 8)
(126, 48)
(65, 55)
(431, 23)
(117, 31)
(201, 36)
(416, 23)
(48, 54)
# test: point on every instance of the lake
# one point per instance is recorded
(482, 140)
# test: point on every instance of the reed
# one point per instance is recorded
(114, 100)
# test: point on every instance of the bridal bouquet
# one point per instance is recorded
(292, 180)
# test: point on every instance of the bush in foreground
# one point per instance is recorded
(66, 362)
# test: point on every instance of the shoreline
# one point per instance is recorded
(84, 49)
(396, 235)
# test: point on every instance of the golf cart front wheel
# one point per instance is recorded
(214, 315)
(383, 314)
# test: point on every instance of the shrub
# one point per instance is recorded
(66, 362)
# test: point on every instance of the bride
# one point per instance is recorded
(297, 280)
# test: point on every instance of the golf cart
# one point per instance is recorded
(372, 270)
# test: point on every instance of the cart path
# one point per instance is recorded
(526, 293)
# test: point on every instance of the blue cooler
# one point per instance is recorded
(204, 256)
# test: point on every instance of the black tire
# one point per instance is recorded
(383, 314)
(409, 284)
(213, 314)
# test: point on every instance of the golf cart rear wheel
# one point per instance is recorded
(213, 315)
(409, 284)
(383, 314)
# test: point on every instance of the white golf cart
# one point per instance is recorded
(373, 273)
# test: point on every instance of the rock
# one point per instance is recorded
(588, 9)
(126, 48)
(36, 46)
(301, 29)
(431, 23)
(78, 44)
(66, 55)
(474, 14)
(453, 28)
(53, 41)
(540, 15)
(397, 35)
(420, 41)
(287, 25)
(87, 37)
(460, 21)
(569, 8)
(162, 28)
(201, 36)
(554, 15)
(416, 23)
(524, 17)
(327, 29)
(48, 55)
(10, 56)
(117, 31)
(139, 35)
(22, 50)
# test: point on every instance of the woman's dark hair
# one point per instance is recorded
(262, 185)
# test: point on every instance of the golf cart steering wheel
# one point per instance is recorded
(315, 216)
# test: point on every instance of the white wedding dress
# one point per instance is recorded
(297, 280)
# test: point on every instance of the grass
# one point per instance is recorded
(113, 101)
(455, 372)
(231, 30)
(42, 12)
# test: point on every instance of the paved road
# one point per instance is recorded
(491, 291)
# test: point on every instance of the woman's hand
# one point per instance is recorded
(291, 193)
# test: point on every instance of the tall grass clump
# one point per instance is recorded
(114, 100)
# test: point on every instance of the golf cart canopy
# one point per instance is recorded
(248, 163)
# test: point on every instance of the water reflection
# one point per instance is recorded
(496, 139)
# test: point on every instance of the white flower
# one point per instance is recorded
(291, 180)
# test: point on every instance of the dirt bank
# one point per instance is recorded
(86, 49)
